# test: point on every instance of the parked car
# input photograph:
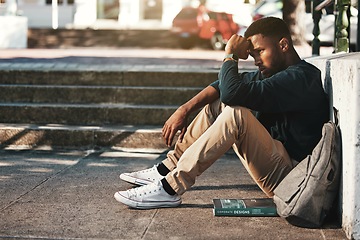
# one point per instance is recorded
(191, 24)
(327, 22)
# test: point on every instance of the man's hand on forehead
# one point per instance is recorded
(251, 47)
(238, 45)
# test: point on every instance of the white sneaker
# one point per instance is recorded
(142, 177)
(149, 196)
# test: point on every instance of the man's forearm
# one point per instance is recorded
(206, 96)
(178, 120)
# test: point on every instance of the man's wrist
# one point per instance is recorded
(184, 110)
(231, 56)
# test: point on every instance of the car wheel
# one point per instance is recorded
(217, 42)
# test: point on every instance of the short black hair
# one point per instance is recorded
(269, 27)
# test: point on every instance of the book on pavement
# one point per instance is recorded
(259, 207)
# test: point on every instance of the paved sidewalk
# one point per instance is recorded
(112, 59)
(124, 59)
(69, 195)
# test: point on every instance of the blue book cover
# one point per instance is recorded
(245, 207)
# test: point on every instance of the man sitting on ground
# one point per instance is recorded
(271, 117)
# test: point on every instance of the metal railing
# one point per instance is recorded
(342, 22)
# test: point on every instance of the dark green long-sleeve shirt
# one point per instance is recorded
(291, 104)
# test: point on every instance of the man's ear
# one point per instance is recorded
(284, 44)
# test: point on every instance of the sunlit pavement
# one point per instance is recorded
(69, 195)
(129, 57)
(54, 194)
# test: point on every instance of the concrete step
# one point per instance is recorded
(89, 108)
(85, 114)
(75, 94)
(57, 136)
(121, 76)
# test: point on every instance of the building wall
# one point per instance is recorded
(13, 32)
(88, 13)
(85, 13)
(101, 14)
(40, 14)
(135, 13)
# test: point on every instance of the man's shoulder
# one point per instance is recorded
(304, 64)
(306, 68)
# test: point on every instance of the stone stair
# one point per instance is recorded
(92, 108)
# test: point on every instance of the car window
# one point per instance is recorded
(187, 14)
(224, 16)
(212, 15)
(205, 16)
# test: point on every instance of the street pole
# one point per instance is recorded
(55, 14)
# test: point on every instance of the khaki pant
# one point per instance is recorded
(212, 133)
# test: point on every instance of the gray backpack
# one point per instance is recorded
(306, 195)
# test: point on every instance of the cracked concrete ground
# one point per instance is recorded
(69, 195)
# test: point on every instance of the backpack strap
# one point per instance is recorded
(336, 116)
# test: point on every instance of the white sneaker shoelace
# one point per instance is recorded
(142, 177)
(144, 190)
